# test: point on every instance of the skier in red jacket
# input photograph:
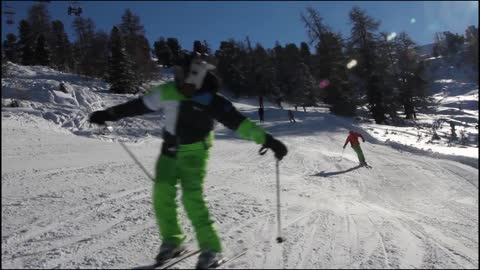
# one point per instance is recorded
(353, 139)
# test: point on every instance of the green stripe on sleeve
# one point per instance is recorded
(170, 92)
(249, 130)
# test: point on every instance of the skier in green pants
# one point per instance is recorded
(353, 139)
(190, 105)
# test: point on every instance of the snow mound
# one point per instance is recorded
(36, 90)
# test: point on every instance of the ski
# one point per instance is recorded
(226, 260)
(170, 262)
(176, 260)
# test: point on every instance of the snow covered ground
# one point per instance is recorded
(71, 201)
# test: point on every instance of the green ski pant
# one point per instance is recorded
(189, 168)
(359, 152)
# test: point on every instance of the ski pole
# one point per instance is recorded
(279, 238)
(133, 157)
(136, 160)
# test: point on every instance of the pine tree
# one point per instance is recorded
(447, 43)
(250, 67)
(454, 42)
(304, 85)
(329, 66)
(202, 49)
(175, 48)
(439, 46)
(82, 48)
(305, 54)
(99, 54)
(387, 68)
(471, 37)
(90, 50)
(333, 75)
(120, 73)
(278, 55)
(228, 56)
(420, 86)
(314, 24)
(242, 79)
(404, 68)
(363, 45)
(409, 76)
(137, 45)
(197, 47)
(206, 48)
(42, 52)
(4, 64)
(26, 43)
(62, 49)
(264, 72)
(10, 47)
(163, 52)
(39, 19)
(290, 62)
(130, 25)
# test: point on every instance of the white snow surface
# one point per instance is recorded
(73, 198)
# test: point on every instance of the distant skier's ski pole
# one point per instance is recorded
(134, 158)
(279, 238)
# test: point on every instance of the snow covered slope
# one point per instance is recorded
(73, 201)
(455, 92)
(69, 201)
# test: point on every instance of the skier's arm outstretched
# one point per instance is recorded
(224, 112)
(150, 102)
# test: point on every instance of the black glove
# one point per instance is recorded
(99, 117)
(277, 147)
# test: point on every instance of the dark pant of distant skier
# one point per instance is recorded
(291, 117)
(260, 114)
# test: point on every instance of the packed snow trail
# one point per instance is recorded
(75, 202)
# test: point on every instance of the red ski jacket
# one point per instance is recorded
(353, 139)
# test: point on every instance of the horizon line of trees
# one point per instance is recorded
(370, 68)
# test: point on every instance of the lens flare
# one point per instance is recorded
(391, 36)
(324, 83)
(352, 64)
(412, 20)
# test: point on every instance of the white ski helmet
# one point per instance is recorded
(197, 73)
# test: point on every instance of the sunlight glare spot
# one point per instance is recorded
(391, 36)
(412, 20)
(352, 64)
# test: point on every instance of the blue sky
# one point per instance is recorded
(263, 21)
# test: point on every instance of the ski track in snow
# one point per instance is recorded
(75, 202)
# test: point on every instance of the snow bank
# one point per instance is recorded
(36, 90)
(462, 159)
